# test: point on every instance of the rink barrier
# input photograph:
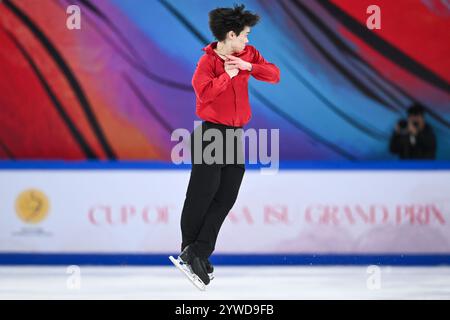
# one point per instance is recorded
(284, 165)
(225, 259)
(228, 259)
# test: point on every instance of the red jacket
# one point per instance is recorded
(221, 99)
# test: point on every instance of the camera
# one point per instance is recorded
(403, 126)
(416, 124)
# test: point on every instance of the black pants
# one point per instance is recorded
(211, 193)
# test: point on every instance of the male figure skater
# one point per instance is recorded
(220, 83)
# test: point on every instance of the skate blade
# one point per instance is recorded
(193, 278)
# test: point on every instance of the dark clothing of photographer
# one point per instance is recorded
(413, 138)
(409, 146)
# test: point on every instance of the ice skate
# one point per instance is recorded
(187, 271)
(209, 269)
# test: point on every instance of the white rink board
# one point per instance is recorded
(293, 211)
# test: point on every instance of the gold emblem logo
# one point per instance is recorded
(32, 206)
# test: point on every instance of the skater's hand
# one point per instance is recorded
(239, 63)
(231, 69)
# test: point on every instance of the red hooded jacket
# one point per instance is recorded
(224, 100)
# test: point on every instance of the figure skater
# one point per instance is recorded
(220, 82)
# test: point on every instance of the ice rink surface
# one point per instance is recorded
(286, 282)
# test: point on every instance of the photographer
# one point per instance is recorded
(413, 138)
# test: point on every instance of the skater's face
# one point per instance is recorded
(238, 41)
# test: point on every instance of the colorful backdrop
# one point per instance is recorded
(118, 87)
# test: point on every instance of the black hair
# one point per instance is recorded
(416, 110)
(224, 20)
